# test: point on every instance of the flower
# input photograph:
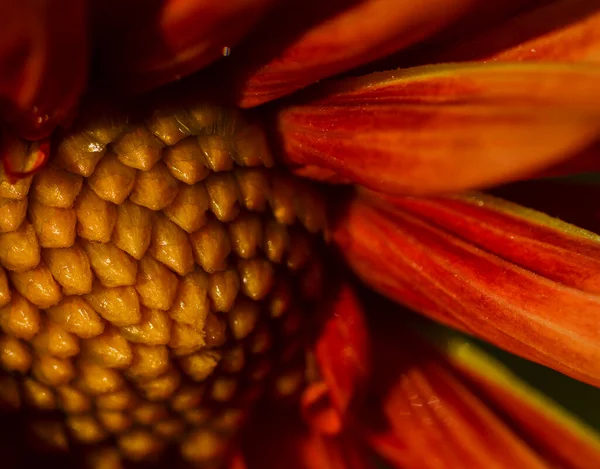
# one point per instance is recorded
(512, 94)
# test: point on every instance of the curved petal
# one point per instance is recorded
(317, 39)
(554, 432)
(437, 414)
(444, 128)
(544, 245)
(43, 63)
(318, 411)
(341, 347)
(584, 162)
(143, 44)
(565, 199)
(430, 418)
(565, 31)
(284, 441)
(458, 281)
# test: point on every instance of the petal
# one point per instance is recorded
(545, 245)
(318, 411)
(567, 199)
(586, 161)
(565, 31)
(436, 412)
(456, 281)
(143, 44)
(341, 348)
(554, 432)
(430, 418)
(280, 439)
(43, 54)
(316, 40)
(446, 127)
(237, 462)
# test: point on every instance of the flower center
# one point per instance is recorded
(156, 281)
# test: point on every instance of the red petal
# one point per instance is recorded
(584, 162)
(542, 244)
(556, 434)
(447, 127)
(43, 54)
(143, 44)
(305, 41)
(342, 347)
(237, 462)
(565, 31)
(563, 199)
(458, 283)
(455, 407)
(318, 411)
(284, 441)
(430, 418)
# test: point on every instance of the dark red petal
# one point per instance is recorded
(433, 416)
(146, 43)
(446, 127)
(237, 462)
(568, 200)
(43, 63)
(547, 427)
(341, 348)
(306, 40)
(565, 31)
(586, 161)
(455, 281)
(278, 439)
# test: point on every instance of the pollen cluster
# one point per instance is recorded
(155, 279)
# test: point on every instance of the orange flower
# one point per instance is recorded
(417, 103)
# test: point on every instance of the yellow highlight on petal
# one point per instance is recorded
(531, 215)
(475, 361)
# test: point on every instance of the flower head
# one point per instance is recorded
(170, 279)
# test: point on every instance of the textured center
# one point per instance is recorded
(155, 281)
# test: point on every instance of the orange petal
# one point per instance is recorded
(433, 418)
(341, 348)
(565, 31)
(284, 441)
(304, 41)
(555, 433)
(43, 54)
(457, 282)
(446, 127)
(143, 44)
